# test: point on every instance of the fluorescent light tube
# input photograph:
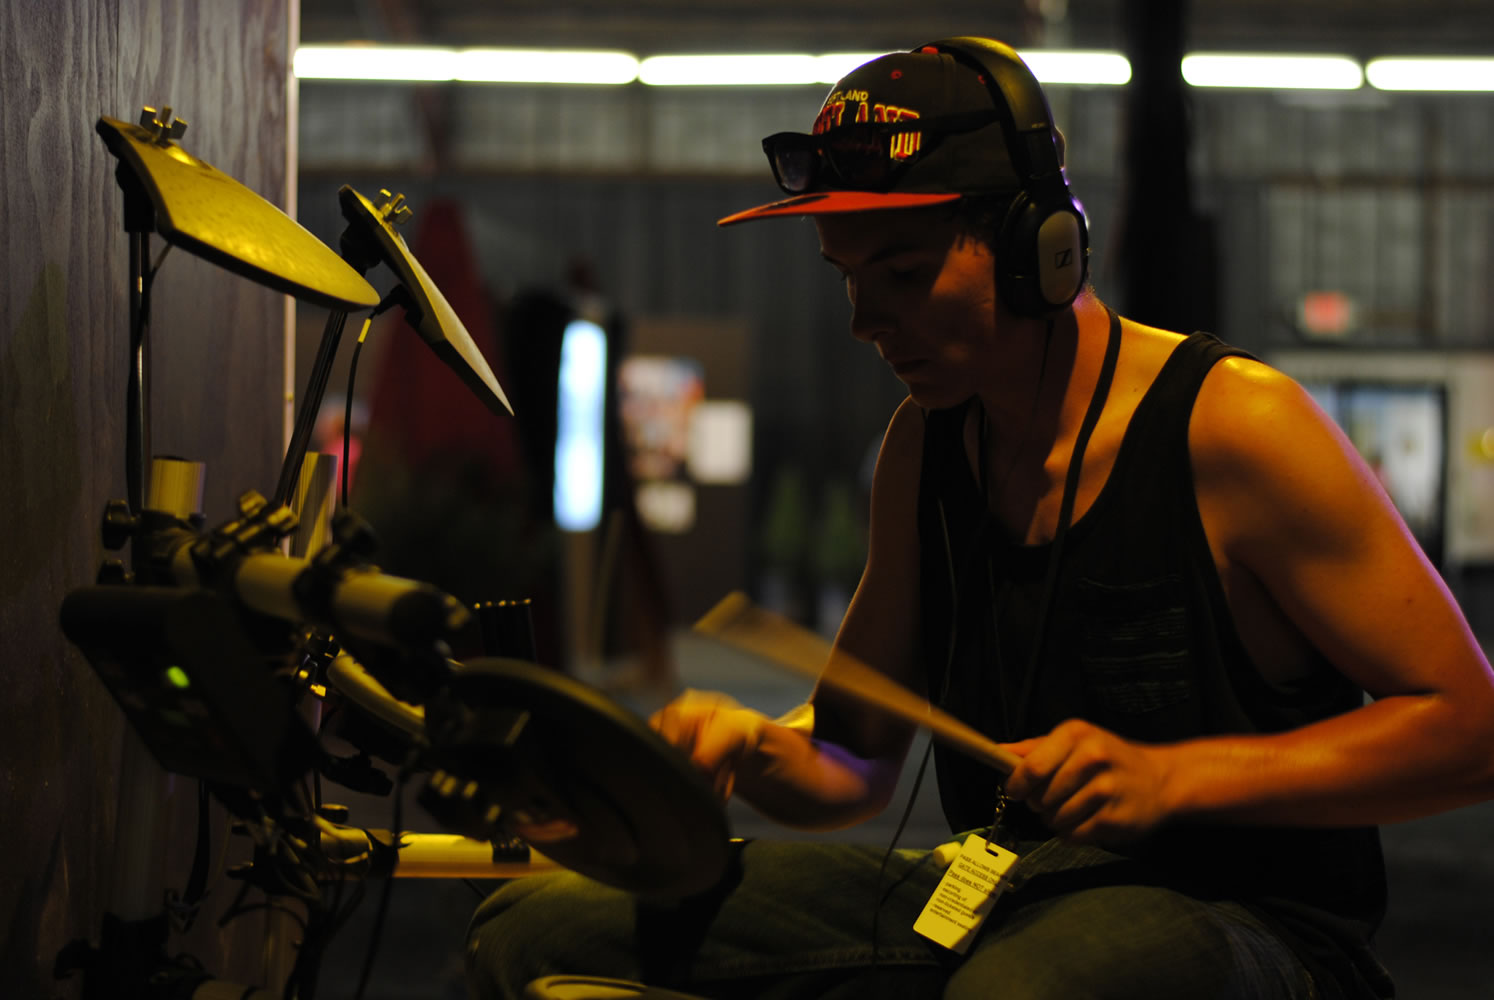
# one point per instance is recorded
(545, 66)
(373, 62)
(1060, 66)
(1048, 65)
(1445, 73)
(729, 71)
(1277, 72)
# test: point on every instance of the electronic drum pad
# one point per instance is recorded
(431, 316)
(583, 779)
(211, 215)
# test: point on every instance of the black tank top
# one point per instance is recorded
(1139, 640)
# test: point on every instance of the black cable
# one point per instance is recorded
(347, 413)
(891, 846)
(148, 280)
(184, 907)
(324, 918)
(359, 890)
(469, 883)
(301, 983)
(310, 895)
(384, 892)
(234, 908)
(396, 297)
(268, 904)
(138, 333)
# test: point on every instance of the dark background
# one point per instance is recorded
(1391, 198)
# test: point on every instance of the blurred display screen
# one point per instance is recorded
(578, 441)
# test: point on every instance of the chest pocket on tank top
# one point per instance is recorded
(1132, 642)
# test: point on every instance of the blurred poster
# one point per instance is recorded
(657, 399)
(1400, 430)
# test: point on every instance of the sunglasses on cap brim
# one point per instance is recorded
(865, 156)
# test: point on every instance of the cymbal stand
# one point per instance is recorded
(139, 223)
(362, 254)
(311, 402)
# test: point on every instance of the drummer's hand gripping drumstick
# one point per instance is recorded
(737, 622)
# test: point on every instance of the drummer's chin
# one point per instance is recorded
(933, 395)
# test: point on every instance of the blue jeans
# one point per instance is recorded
(801, 920)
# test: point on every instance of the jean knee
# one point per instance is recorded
(546, 925)
(1121, 943)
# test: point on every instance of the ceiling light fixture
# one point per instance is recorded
(1078, 67)
(418, 64)
(1447, 74)
(373, 62)
(1058, 66)
(729, 70)
(401, 63)
(1272, 72)
(545, 66)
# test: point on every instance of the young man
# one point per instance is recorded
(1147, 563)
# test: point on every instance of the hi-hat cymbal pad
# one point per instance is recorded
(429, 312)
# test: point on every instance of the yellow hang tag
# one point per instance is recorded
(966, 893)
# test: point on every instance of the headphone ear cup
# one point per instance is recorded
(1043, 255)
(1061, 250)
(1011, 260)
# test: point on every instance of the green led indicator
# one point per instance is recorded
(177, 677)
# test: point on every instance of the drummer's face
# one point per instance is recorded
(922, 291)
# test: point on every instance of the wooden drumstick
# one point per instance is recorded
(737, 622)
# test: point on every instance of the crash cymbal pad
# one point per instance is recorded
(210, 215)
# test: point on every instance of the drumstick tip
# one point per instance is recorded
(727, 610)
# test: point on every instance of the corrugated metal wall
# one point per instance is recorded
(1386, 197)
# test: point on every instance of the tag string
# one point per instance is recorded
(1065, 518)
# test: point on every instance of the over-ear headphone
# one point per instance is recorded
(1042, 246)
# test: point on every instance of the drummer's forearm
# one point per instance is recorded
(811, 784)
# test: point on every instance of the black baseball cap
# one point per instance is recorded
(904, 130)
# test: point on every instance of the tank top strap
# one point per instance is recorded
(1160, 423)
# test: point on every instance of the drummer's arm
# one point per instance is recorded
(835, 762)
(881, 626)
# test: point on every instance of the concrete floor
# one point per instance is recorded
(1438, 939)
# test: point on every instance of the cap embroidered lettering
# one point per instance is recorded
(905, 144)
(830, 116)
(892, 113)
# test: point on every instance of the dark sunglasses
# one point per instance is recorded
(866, 156)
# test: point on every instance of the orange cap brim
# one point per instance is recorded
(834, 202)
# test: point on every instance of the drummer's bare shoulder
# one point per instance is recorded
(899, 459)
(1286, 499)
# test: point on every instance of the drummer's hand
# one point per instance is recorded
(1090, 785)
(715, 732)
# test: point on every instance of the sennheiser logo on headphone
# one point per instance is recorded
(1063, 258)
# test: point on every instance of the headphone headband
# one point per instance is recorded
(1026, 119)
(1043, 243)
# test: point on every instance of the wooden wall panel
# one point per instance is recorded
(217, 340)
(59, 731)
(62, 378)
